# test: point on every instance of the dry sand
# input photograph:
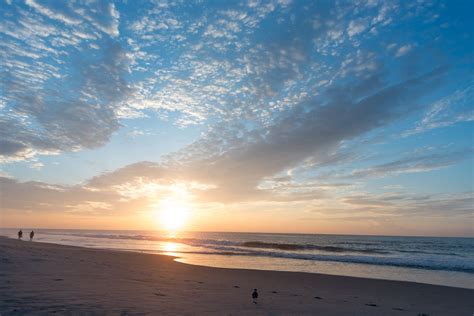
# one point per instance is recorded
(39, 278)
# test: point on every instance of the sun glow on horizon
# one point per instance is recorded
(173, 213)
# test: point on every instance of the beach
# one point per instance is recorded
(42, 278)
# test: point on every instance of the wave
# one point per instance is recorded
(259, 244)
(247, 244)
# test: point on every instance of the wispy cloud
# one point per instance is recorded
(454, 108)
(403, 50)
(53, 14)
(418, 162)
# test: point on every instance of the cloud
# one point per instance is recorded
(418, 162)
(53, 14)
(40, 197)
(403, 50)
(235, 165)
(218, 65)
(144, 170)
(60, 94)
(234, 68)
(413, 205)
(10, 148)
(41, 121)
(449, 110)
(103, 16)
(356, 27)
(302, 133)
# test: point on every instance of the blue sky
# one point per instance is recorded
(340, 116)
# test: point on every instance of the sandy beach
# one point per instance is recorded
(40, 278)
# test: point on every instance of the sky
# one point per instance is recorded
(340, 117)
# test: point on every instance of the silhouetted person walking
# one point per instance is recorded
(32, 234)
(254, 296)
(20, 234)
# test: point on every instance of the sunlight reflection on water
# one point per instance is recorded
(171, 249)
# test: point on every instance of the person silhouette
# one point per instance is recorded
(254, 296)
(20, 234)
(32, 234)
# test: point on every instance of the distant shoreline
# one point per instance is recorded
(45, 278)
(243, 232)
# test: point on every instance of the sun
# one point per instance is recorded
(173, 214)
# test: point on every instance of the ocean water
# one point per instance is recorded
(432, 260)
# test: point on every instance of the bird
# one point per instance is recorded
(255, 296)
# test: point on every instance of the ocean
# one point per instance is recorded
(432, 260)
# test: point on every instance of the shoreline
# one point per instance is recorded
(41, 277)
(245, 232)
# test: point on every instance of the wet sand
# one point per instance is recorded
(42, 279)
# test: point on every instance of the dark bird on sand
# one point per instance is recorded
(254, 296)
